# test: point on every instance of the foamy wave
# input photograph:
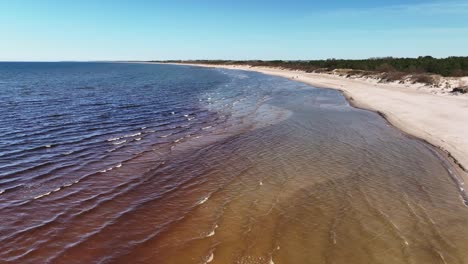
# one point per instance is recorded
(132, 135)
(164, 136)
(212, 233)
(202, 201)
(47, 193)
(205, 128)
(137, 139)
(111, 168)
(119, 142)
(261, 183)
(113, 139)
(210, 258)
(54, 190)
(48, 146)
(2, 191)
(42, 195)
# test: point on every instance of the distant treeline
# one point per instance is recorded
(451, 66)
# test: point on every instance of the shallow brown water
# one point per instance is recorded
(318, 182)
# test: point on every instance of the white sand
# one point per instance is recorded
(438, 118)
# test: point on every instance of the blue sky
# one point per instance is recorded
(47, 30)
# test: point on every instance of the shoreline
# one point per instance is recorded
(439, 120)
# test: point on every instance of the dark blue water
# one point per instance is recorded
(58, 117)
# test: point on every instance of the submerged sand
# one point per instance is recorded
(441, 120)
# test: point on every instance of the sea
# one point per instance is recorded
(157, 163)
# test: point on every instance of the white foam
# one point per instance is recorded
(133, 135)
(42, 195)
(186, 115)
(143, 127)
(119, 142)
(208, 127)
(172, 113)
(2, 191)
(165, 135)
(271, 261)
(119, 165)
(212, 233)
(48, 146)
(210, 258)
(113, 139)
(202, 201)
(137, 139)
(261, 183)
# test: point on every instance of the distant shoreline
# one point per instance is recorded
(439, 119)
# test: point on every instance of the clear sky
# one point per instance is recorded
(51, 30)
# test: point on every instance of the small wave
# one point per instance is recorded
(210, 258)
(205, 128)
(164, 136)
(137, 139)
(55, 190)
(143, 127)
(2, 191)
(48, 146)
(119, 142)
(132, 135)
(202, 201)
(111, 168)
(113, 139)
(42, 195)
(261, 183)
(178, 140)
(212, 233)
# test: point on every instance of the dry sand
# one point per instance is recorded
(438, 118)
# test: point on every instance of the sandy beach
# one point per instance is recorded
(436, 117)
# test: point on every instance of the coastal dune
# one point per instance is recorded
(441, 120)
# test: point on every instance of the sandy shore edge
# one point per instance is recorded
(439, 120)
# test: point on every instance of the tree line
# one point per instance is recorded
(451, 66)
